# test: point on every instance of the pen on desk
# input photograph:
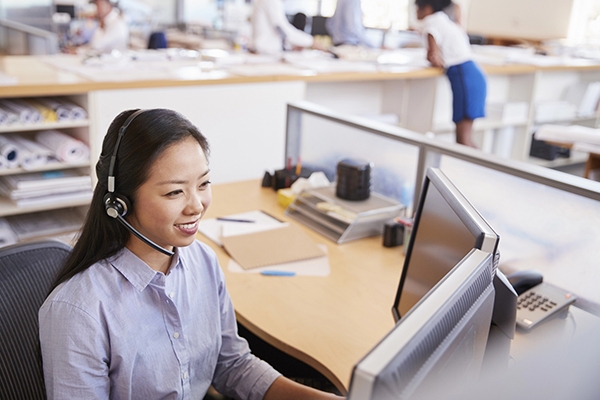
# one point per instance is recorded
(277, 273)
(234, 220)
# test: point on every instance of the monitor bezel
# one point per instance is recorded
(486, 239)
(421, 318)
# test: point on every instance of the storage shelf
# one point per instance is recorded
(79, 129)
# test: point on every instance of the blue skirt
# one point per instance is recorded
(468, 91)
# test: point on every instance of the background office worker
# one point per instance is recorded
(125, 319)
(272, 33)
(346, 25)
(448, 47)
(112, 32)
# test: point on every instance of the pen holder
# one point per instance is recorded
(353, 179)
(284, 178)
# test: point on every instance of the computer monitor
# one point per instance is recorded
(445, 229)
(436, 350)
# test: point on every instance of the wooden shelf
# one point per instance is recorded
(51, 166)
(43, 126)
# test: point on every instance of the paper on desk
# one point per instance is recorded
(214, 229)
(275, 246)
(314, 267)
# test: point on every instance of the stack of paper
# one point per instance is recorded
(26, 226)
(53, 187)
(256, 241)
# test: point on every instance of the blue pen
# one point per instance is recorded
(277, 273)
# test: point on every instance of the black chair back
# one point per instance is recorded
(26, 272)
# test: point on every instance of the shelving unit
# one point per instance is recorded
(427, 107)
(79, 129)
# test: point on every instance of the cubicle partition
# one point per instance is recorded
(20, 39)
(547, 220)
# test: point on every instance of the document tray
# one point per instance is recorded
(343, 220)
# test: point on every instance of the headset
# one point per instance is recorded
(117, 205)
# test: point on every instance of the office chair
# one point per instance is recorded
(26, 272)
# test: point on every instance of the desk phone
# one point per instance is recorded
(540, 303)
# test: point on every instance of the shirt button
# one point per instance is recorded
(176, 335)
(172, 294)
(185, 375)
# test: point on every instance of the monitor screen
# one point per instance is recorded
(445, 229)
(436, 350)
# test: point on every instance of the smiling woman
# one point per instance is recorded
(140, 308)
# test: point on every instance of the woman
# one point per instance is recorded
(448, 47)
(140, 309)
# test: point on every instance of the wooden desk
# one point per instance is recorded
(327, 322)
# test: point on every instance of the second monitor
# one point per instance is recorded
(446, 228)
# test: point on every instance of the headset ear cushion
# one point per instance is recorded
(116, 204)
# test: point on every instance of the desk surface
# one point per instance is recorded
(327, 322)
(332, 322)
(36, 76)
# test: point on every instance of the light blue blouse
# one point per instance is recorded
(120, 330)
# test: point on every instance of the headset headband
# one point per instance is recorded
(113, 158)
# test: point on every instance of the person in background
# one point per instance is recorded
(448, 47)
(140, 309)
(346, 25)
(272, 33)
(112, 32)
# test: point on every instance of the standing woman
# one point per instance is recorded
(448, 47)
(140, 309)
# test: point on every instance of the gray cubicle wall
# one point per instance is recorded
(547, 220)
(20, 39)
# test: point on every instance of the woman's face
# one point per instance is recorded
(169, 205)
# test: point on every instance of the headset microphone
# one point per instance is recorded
(142, 237)
(117, 205)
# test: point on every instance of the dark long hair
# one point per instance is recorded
(146, 138)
